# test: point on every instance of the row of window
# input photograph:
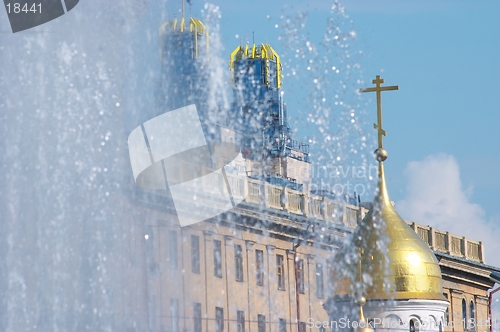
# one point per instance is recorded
(238, 264)
(468, 321)
(261, 319)
(219, 319)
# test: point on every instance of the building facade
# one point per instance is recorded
(268, 264)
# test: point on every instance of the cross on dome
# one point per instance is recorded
(378, 89)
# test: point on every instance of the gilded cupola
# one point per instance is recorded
(386, 259)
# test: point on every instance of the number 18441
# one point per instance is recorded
(16, 8)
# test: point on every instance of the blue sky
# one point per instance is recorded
(442, 54)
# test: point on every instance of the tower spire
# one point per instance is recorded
(400, 265)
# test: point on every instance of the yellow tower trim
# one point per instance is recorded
(266, 53)
(183, 24)
(263, 55)
(160, 32)
(278, 66)
(232, 58)
(196, 27)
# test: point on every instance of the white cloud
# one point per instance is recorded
(435, 197)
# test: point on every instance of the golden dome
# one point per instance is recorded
(395, 262)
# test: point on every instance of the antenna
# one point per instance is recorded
(253, 37)
(182, 8)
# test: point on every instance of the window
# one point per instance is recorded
(319, 281)
(329, 275)
(282, 327)
(150, 250)
(300, 276)
(238, 262)
(472, 314)
(280, 264)
(464, 314)
(261, 323)
(412, 325)
(217, 259)
(197, 317)
(447, 312)
(219, 319)
(240, 318)
(174, 313)
(259, 266)
(302, 327)
(172, 249)
(195, 254)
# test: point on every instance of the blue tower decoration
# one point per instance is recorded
(184, 47)
(259, 115)
(259, 112)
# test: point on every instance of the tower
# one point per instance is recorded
(259, 118)
(184, 47)
(398, 275)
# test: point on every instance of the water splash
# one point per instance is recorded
(331, 71)
(341, 140)
(71, 252)
(64, 171)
